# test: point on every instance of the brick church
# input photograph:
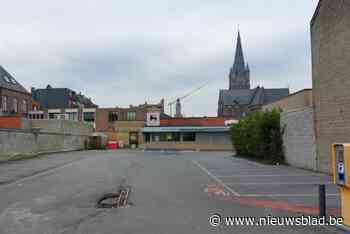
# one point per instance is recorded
(240, 100)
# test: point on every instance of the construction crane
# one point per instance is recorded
(170, 104)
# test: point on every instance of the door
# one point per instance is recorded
(133, 139)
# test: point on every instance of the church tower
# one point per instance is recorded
(239, 73)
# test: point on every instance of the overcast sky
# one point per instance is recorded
(128, 52)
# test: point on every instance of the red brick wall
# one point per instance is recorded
(102, 123)
(10, 122)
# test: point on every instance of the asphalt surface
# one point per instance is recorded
(171, 192)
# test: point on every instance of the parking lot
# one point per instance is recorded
(170, 192)
(280, 187)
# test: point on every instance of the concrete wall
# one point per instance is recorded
(295, 101)
(46, 136)
(204, 141)
(60, 126)
(330, 37)
(299, 138)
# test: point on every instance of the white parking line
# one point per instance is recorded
(215, 178)
(280, 183)
(20, 182)
(273, 175)
(287, 195)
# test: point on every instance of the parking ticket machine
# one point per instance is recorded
(341, 176)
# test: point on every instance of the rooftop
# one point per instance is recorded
(7, 81)
(186, 129)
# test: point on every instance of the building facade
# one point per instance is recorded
(124, 124)
(15, 99)
(62, 103)
(188, 134)
(330, 40)
(240, 100)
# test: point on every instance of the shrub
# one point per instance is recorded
(259, 135)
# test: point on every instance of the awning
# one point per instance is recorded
(185, 129)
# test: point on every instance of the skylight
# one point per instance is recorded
(6, 78)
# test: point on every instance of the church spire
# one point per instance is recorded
(239, 64)
(239, 73)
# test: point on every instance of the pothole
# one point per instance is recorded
(115, 200)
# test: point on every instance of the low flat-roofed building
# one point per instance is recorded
(188, 134)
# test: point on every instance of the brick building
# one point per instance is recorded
(240, 100)
(330, 38)
(124, 124)
(62, 103)
(15, 99)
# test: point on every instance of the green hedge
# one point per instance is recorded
(259, 135)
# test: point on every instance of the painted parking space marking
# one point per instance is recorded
(256, 173)
(280, 183)
(272, 187)
(277, 205)
(268, 175)
(217, 190)
(215, 178)
(287, 195)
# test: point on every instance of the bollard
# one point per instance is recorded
(322, 200)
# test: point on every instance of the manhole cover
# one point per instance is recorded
(114, 200)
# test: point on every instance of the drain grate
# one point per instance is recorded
(115, 200)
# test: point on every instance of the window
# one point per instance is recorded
(131, 116)
(113, 116)
(189, 136)
(89, 116)
(52, 116)
(170, 136)
(24, 106)
(36, 116)
(15, 105)
(4, 103)
(155, 137)
(147, 137)
(72, 116)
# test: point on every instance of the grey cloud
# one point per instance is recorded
(121, 52)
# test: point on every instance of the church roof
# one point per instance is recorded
(257, 96)
(7, 81)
